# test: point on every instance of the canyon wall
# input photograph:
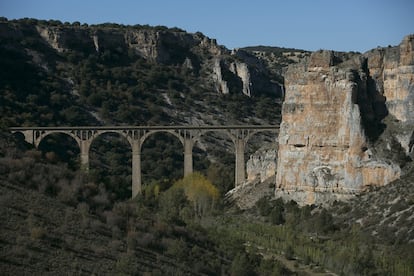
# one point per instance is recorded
(228, 71)
(334, 108)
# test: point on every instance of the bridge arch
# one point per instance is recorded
(99, 133)
(38, 138)
(152, 132)
(43, 136)
(110, 161)
(39, 135)
(160, 145)
(42, 140)
(240, 138)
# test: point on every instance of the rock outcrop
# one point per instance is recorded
(392, 70)
(398, 80)
(220, 83)
(333, 109)
(262, 164)
(242, 71)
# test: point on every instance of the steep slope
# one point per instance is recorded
(385, 213)
(140, 69)
(57, 221)
(41, 235)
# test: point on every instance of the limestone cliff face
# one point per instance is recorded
(220, 84)
(262, 164)
(398, 79)
(237, 72)
(392, 70)
(323, 151)
(150, 43)
(229, 72)
(242, 71)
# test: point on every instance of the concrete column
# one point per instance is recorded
(84, 154)
(188, 156)
(136, 168)
(240, 173)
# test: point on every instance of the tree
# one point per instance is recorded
(324, 222)
(241, 266)
(171, 203)
(289, 253)
(199, 191)
(276, 215)
(221, 175)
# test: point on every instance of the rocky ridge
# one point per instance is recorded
(229, 73)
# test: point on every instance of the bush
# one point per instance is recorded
(171, 203)
(37, 233)
(289, 253)
(241, 266)
(264, 207)
(125, 265)
(276, 216)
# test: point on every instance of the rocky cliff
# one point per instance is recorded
(200, 54)
(392, 70)
(334, 112)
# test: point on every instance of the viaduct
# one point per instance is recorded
(136, 135)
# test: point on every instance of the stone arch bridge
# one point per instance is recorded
(136, 135)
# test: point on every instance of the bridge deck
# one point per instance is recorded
(170, 127)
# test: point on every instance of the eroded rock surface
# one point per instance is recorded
(392, 70)
(262, 164)
(332, 113)
(229, 71)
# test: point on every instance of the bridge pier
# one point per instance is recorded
(136, 168)
(84, 153)
(188, 155)
(240, 170)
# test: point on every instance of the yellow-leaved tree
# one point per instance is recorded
(199, 191)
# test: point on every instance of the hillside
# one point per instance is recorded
(70, 74)
(94, 74)
(384, 213)
(52, 228)
(57, 218)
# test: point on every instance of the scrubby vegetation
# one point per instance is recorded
(76, 225)
(184, 227)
